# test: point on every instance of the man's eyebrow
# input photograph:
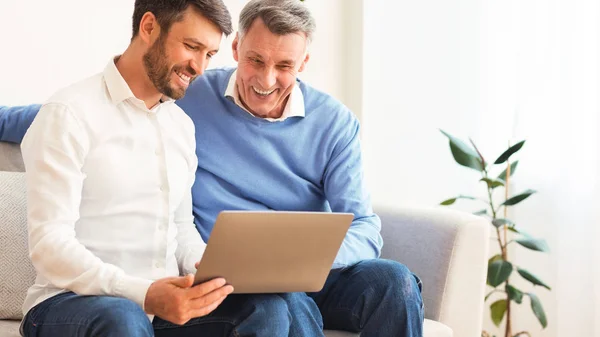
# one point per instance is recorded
(195, 41)
(255, 54)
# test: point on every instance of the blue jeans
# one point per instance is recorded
(374, 297)
(71, 315)
(378, 298)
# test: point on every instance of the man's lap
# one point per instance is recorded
(74, 315)
(345, 290)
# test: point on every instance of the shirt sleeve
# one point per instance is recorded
(15, 120)
(346, 192)
(190, 245)
(54, 151)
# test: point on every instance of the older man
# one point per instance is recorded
(268, 141)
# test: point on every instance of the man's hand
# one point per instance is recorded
(175, 300)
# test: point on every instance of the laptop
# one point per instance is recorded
(273, 251)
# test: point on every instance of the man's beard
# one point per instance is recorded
(156, 63)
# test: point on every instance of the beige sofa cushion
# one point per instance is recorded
(16, 272)
(9, 328)
(10, 158)
(430, 329)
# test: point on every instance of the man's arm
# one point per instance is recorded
(190, 245)
(346, 192)
(15, 120)
(54, 149)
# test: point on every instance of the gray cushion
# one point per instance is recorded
(425, 250)
(9, 328)
(10, 158)
(430, 329)
(16, 272)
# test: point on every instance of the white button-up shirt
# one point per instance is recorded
(293, 108)
(109, 192)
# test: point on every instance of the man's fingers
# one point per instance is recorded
(207, 287)
(184, 281)
(211, 297)
(207, 309)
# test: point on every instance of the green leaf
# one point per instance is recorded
(513, 229)
(481, 212)
(513, 168)
(498, 272)
(464, 154)
(538, 310)
(448, 202)
(501, 222)
(532, 278)
(511, 150)
(451, 201)
(518, 198)
(492, 183)
(539, 245)
(514, 294)
(498, 309)
(495, 258)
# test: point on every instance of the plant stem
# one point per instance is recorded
(503, 250)
(508, 311)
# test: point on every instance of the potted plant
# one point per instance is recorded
(500, 267)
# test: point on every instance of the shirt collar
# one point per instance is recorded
(293, 108)
(117, 86)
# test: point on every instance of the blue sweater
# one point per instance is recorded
(310, 163)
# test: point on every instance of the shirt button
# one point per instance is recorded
(157, 264)
(157, 152)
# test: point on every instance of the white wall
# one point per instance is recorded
(495, 71)
(421, 73)
(47, 45)
(432, 65)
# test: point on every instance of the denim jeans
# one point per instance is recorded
(71, 315)
(374, 297)
(378, 298)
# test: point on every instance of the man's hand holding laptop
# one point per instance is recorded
(177, 300)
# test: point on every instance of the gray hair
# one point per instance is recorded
(281, 17)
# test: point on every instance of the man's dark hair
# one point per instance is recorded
(168, 12)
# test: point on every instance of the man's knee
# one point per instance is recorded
(114, 316)
(272, 308)
(393, 279)
(303, 310)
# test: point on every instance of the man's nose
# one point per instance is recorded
(198, 65)
(268, 78)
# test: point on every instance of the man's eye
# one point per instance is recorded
(190, 47)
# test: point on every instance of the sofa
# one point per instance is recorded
(447, 249)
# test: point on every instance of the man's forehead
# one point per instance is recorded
(197, 29)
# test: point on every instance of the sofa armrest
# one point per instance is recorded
(448, 250)
(10, 157)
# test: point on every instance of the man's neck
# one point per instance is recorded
(131, 67)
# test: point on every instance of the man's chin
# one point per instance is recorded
(175, 94)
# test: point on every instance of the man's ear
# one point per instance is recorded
(306, 58)
(234, 47)
(149, 28)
